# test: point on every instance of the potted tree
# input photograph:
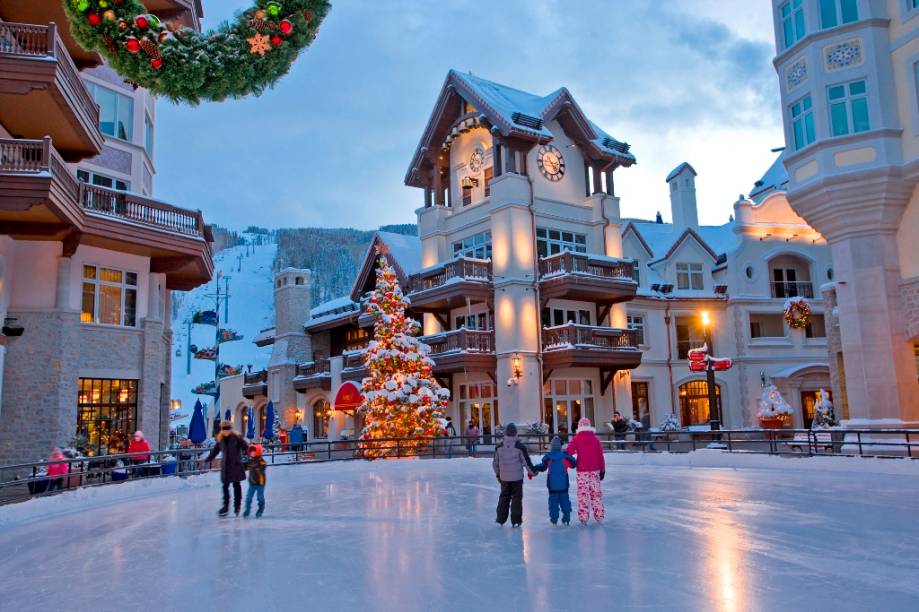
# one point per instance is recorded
(774, 411)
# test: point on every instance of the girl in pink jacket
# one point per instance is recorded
(590, 471)
(56, 471)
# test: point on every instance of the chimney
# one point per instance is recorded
(291, 300)
(682, 183)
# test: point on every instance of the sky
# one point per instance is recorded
(330, 144)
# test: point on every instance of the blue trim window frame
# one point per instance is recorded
(848, 108)
(792, 15)
(801, 115)
(837, 12)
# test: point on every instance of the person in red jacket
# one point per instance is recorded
(591, 469)
(55, 471)
(139, 449)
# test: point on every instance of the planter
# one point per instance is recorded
(119, 476)
(776, 422)
(38, 486)
(169, 468)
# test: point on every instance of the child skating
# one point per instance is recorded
(511, 459)
(590, 471)
(256, 468)
(557, 463)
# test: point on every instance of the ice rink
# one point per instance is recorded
(420, 535)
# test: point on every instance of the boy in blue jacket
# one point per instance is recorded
(557, 462)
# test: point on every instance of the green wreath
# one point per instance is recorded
(235, 60)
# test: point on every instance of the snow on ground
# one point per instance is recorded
(251, 310)
(420, 535)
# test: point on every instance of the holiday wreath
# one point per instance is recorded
(237, 59)
(797, 312)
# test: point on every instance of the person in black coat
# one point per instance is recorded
(234, 448)
(620, 428)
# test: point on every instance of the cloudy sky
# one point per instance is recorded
(329, 146)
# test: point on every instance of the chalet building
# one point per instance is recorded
(848, 74)
(87, 256)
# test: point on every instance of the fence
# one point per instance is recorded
(20, 482)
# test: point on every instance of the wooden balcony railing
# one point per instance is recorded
(315, 368)
(36, 157)
(256, 378)
(353, 360)
(462, 268)
(583, 263)
(790, 289)
(40, 42)
(463, 340)
(573, 335)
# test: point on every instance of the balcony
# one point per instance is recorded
(461, 350)
(450, 284)
(255, 384)
(590, 278)
(314, 375)
(572, 346)
(353, 367)
(41, 93)
(41, 200)
(789, 289)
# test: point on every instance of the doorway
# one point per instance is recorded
(809, 400)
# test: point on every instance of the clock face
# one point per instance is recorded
(477, 160)
(551, 163)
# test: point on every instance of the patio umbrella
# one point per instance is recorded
(250, 430)
(269, 423)
(197, 429)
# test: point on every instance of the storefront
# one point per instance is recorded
(566, 401)
(106, 414)
(478, 402)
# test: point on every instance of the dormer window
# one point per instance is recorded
(689, 276)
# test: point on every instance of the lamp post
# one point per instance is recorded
(714, 413)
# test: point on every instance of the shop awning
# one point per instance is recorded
(349, 397)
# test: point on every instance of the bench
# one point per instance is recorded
(822, 440)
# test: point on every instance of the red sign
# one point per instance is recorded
(349, 397)
(697, 366)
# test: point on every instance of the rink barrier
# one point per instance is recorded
(24, 481)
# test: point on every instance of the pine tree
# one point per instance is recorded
(772, 404)
(824, 413)
(401, 397)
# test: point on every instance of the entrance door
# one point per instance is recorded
(566, 402)
(809, 399)
(479, 405)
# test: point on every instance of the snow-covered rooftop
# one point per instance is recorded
(679, 169)
(775, 179)
(660, 237)
(405, 249)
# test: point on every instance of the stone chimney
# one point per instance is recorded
(291, 310)
(683, 208)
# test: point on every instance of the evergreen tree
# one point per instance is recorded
(401, 397)
(772, 404)
(824, 413)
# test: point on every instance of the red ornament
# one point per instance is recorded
(94, 19)
(276, 40)
(156, 63)
(286, 27)
(142, 22)
(132, 45)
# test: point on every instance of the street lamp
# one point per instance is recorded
(714, 413)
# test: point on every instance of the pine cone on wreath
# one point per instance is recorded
(150, 48)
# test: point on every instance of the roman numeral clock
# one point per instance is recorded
(551, 163)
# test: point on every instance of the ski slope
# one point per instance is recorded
(811, 534)
(251, 309)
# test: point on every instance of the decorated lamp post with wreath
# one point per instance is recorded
(239, 58)
(701, 361)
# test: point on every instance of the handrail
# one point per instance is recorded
(255, 378)
(471, 340)
(790, 289)
(466, 268)
(573, 334)
(567, 262)
(320, 367)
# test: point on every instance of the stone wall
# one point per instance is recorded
(909, 293)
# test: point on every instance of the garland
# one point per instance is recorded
(797, 313)
(235, 60)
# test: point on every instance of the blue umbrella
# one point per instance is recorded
(228, 416)
(269, 423)
(250, 430)
(197, 429)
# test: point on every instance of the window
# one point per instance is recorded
(641, 403)
(792, 14)
(107, 413)
(637, 322)
(694, 408)
(478, 321)
(478, 402)
(689, 335)
(109, 296)
(560, 316)
(116, 111)
(489, 174)
(802, 122)
(636, 272)
(767, 325)
(816, 327)
(551, 242)
(101, 180)
(834, 12)
(148, 135)
(322, 410)
(565, 402)
(849, 108)
(689, 276)
(467, 195)
(477, 246)
(356, 339)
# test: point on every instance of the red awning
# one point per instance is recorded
(349, 397)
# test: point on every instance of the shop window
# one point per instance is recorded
(694, 407)
(566, 401)
(322, 411)
(107, 413)
(478, 402)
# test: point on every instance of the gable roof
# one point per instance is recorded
(513, 113)
(687, 234)
(661, 240)
(644, 243)
(679, 170)
(402, 251)
(775, 179)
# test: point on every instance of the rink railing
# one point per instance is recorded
(23, 481)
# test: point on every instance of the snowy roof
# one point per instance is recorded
(775, 179)
(336, 305)
(264, 337)
(516, 107)
(679, 169)
(405, 250)
(662, 237)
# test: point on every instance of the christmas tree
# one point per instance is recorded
(401, 397)
(824, 413)
(772, 404)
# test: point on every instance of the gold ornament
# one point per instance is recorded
(122, 24)
(109, 15)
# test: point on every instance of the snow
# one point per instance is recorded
(251, 310)
(701, 531)
(660, 237)
(776, 178)
(405, 250)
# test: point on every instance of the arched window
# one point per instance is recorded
(322, 410)
(694, 409)
(299, 280)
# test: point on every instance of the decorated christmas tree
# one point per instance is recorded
(772, 404)
(824, 413)
(401, 397)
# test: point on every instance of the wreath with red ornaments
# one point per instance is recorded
(237, 59)
(797, 313)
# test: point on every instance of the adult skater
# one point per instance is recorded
(511, 457)
(591, 469)
(233, 447)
